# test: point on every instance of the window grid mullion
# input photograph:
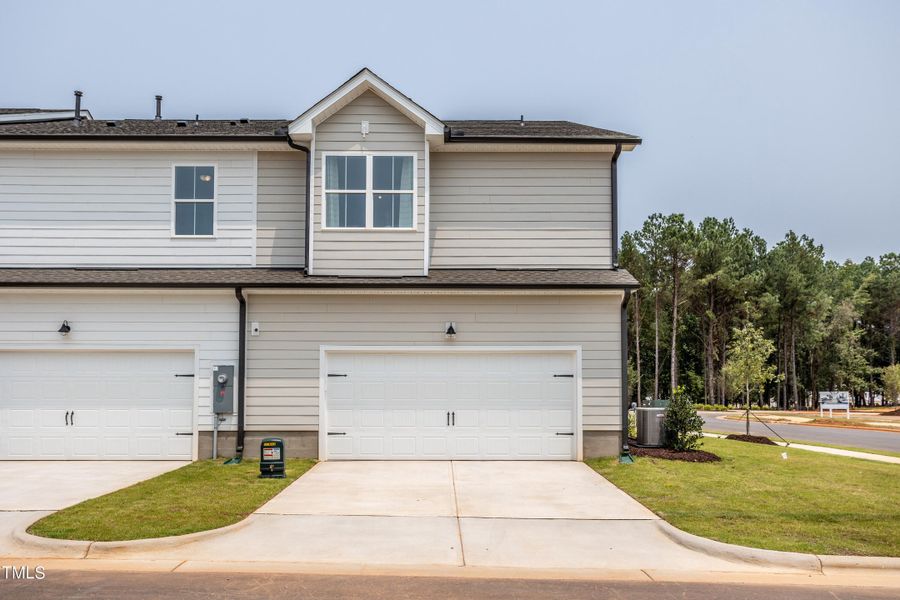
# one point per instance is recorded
(370, 199)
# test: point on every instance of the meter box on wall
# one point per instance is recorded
(223, 389)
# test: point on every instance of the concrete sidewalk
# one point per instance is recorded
(826, 450)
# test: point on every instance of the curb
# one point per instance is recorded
(776, 558)
(740, 554)
(860, 562)
(89, 549)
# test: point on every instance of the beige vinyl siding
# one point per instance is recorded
(378, 252)
(281, 209)
(520, 210)
(140, 320)
(114, 208)
(283, 361)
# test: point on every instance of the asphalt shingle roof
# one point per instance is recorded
(462, 130)
(149, 128)
(262, 277)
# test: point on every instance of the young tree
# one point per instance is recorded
(747, 367)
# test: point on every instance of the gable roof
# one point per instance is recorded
(364, 80)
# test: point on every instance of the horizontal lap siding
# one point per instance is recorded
(87, 208)
(207, 321)
(281, 209)
(520, 210)
(369, 252)
(283, 360)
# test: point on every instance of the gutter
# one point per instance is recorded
(625, 403)
(614, 190)
(242, 369)
(306, 237)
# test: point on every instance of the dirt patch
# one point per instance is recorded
(891, 413)
(697, 456)
(753, 439)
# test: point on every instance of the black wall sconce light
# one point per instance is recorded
(450, 329)
(64, 329)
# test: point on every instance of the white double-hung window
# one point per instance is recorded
(370, 191)
(194, 192)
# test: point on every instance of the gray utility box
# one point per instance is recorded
(223, 389)
(651, 430)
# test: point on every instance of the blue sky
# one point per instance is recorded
(784, 115)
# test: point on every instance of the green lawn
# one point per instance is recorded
(839, 447)
(808, 503)
(200, 496)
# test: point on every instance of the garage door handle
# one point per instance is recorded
(67, 418)
(560, 433)
(184, 433)
(453, 416)
(448, 418)
(72, 418)
(337, 433)
(337, 374)
(564, 375)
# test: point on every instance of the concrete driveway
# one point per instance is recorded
(32, 489)
(519, 515)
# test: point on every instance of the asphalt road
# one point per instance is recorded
(76, 585)
(858, 438)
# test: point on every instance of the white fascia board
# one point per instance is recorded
(302, 127)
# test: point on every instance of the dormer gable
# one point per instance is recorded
(301, 128)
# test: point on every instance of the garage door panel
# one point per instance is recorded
(505, 405)
(95, 404)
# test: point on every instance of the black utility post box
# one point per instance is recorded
(271, 458)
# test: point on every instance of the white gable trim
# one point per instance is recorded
(302, 127)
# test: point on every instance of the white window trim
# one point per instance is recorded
(369, 192)
(214, 201)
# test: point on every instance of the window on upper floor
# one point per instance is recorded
(194, 196)
(369, 191)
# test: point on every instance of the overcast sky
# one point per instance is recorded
(783, 115)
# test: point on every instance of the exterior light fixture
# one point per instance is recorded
(64, 329)
(450, 329)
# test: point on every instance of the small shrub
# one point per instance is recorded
(684, 427)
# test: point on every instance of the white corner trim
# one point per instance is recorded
(311, 216)
(427, 208)
(254, 211)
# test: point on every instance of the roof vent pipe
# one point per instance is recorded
(158, 108)
(521, 120)
(78, 95)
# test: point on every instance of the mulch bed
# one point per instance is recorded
(697, 456)
(753, 439)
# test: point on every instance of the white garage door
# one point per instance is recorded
(451, 405)
(96, 405)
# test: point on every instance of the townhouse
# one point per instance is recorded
(366, 281)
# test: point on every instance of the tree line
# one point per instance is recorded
(706, 288)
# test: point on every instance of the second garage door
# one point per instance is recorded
(87, 405)
(451, 405)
